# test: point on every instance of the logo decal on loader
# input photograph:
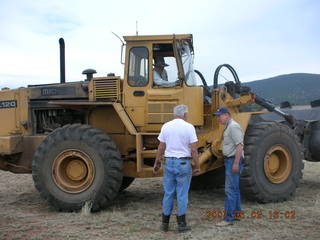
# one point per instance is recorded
(53, 91)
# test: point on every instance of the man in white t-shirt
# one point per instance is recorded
(178, 144)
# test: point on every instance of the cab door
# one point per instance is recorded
(163, 96)
(137, 81)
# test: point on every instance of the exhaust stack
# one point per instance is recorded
(62, 62)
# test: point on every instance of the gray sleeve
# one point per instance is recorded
(236, 134)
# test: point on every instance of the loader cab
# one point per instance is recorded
(148, 101)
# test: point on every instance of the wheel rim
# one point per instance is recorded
(73, 171)
(277, 164)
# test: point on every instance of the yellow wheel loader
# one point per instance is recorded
(88, 140)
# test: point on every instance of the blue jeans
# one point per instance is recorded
(176, 181)
(232, 189)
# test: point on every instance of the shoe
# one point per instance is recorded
(165, 223)
(224, 224)
(182, 224)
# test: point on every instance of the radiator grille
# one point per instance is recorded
(106, 89)
(160, 112)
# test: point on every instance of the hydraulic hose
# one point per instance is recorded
(205, 85)
(231, 69)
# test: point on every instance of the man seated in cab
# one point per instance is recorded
(160, 76)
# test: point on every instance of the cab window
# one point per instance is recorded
(138, 67)
(165, 72)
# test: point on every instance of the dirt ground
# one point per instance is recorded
(136, 214)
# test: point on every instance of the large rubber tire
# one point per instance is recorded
(126, 182)
(75, 164)
(273, 162)
(209, 180)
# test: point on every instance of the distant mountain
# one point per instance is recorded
(297, 88)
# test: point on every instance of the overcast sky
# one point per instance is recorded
(259, 38)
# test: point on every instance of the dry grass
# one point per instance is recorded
(86, 209)
(136, 214)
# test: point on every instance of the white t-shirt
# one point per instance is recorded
(178, 135)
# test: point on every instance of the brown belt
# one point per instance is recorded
(182, 158)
